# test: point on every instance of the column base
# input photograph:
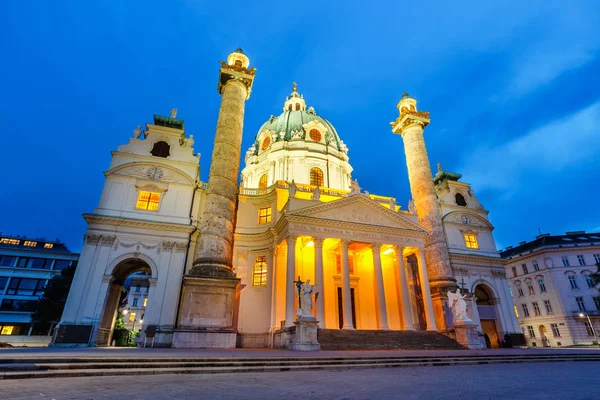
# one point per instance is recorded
(305, 337)
(348, 327)
(466, 335)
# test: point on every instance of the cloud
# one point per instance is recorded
(554, 147)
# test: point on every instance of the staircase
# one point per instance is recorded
(336, 339)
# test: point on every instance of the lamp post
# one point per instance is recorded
(591, 326)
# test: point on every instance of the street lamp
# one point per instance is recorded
(581, 315)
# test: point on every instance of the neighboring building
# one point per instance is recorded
(137, 300)
(552, 289)
(26, 265)
(299, 214)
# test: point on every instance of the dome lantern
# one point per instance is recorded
(295, 101)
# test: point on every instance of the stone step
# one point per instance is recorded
(424, 361)
(335, 339)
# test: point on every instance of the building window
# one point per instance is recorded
(542, 285)
(555, 331)
(596, 300)
(29, 243)
(536, 309)
(18, 305)
(7, 330)
(265, 143)
(145, 301)
(525, 310)
(519, 288)
(48, 245)
(259, 271)
(148, 201)
(530, 288)
(460, 200)
(264, 215)
(315, 135)
(580, 303)
(514, 270)
(3, 282)
(597, 258)
(589, 281)
(580, 259)
(297, 106)
(9, 241)
(26, 287)
(565, 261)
(588, 328)
(316, 177)
(132, 317)
(61, 264)
(7, 261)
(531, 331)
(34, 263)
(548, 306)
(572, 281)
(161, 149)
(516, 311)
(525, 271)
(238, 63)
(135, 302)
(262, 183)
(536, 266)
(471, 241)
(138, 288)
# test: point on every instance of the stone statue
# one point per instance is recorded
(392, 204)
(190, 141)
(354, 188)
(316, 194)
(439, 167)
(292, 189)
(411, 206)
(306, 291)
(459, 306)
(173, 113)
(137, 132)
(296, 135)
(274, 137)
(281, 135)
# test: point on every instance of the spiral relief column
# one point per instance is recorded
(410, 126)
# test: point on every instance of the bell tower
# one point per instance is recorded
(409, 126)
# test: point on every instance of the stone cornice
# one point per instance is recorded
(157, 160)
(474, 258)
(136, 223)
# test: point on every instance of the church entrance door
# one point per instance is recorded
(341, 307)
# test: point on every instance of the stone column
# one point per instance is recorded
(215, 251)
(273, 282)
(346, 299)
(429, 314)
(407, 317)
(410, 126)
(320, 281)
(382, 322)
(290, 277)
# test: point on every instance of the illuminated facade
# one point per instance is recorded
(299, 214)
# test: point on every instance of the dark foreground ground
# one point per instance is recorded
(559, 380)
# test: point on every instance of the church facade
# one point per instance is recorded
(296, 215)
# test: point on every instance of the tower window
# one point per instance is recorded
(290, 107)
(264, 215)
(471, 241)
(238, 63)
(297, 106)
(460, 200)
(262, 183)
(315, 135)
(161, 149)
(259, 271)
(148, 201)
(265, 143)
(316, 177)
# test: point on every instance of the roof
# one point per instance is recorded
(570, 239)
(168, 122)
(25, 243)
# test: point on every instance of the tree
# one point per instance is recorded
(51, 304)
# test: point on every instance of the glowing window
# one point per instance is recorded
(9, 241)
(471, 241)
(264, 215)
(148, 201)
(145, 301)
(48, 245)
(259, 272)
(7, 330)
(29, 243)
(131, 317)
(315, 135)
(316, 177)
(516, 311)
(265, 144)
(262, 183)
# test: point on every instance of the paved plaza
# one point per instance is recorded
(506, 381)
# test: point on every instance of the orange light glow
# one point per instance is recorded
(148, 201)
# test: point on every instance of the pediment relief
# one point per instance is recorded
(154, 172)
(358, 209)
(467, 218)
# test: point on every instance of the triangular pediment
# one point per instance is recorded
(358, 209)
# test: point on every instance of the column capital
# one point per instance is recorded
(291, 238)
(318, 241)
(344, 243)
(375, 246)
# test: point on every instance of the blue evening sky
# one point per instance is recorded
(512, 87)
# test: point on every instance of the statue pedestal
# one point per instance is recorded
(467, 335)
(305, 338)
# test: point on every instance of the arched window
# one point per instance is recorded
(297, 106)
(316, 177)
(259, 271)
(315, 135)
(290, 107)
(265, 144)
(161, 149)
(238, 63)
(471, 240)
(460, 200)
(262, 183)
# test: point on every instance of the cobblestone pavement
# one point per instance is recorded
(559, 380)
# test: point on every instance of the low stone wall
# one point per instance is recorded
(26, 341)
(254, 340)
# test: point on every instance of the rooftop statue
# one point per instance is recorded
(137, 132)
(316, 194)
(354, 188)
(173, 113)
(292, 189)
